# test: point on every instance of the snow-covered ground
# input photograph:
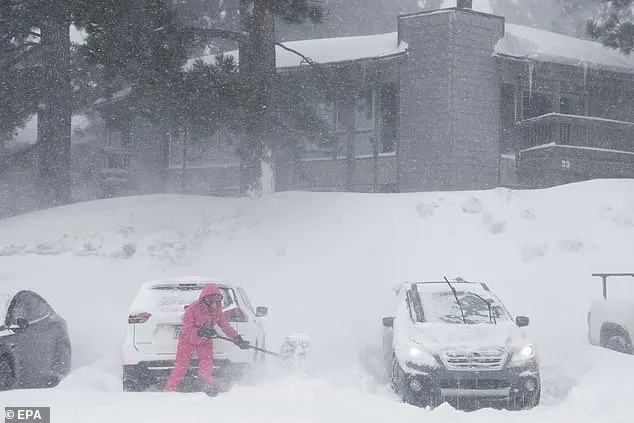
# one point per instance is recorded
(325, 264)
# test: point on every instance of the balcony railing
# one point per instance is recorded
(578, 131)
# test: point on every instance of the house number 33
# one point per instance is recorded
(565, 164)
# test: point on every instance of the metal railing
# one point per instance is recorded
(578, 131)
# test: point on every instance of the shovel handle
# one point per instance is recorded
(250, 346)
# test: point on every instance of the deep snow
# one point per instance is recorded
(325, 264)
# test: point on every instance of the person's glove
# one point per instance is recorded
(242, 343)
(207, 332)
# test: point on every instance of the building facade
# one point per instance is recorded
(454, 100)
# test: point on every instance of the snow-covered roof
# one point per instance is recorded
(330, 50)
(537, 44)
(518, 41)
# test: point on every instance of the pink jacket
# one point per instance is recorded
(199, 315)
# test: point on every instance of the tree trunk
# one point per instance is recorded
(54, 117)
(257, 72)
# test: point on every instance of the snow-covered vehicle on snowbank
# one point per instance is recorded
(154, 324)
(454, 341)
(611, 321)
(35, 347)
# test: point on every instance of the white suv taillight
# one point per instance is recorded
(138, 317)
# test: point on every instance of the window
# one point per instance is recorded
(201, 149)
(389, 118)
(321, 147)
(370, 106)
(172, 297)
(176, 150)
(341, 134)
(572, 104)
(245, 297)
(364, 124)
(536, 104)
(117, 161)
(442, 307)
(221, 148)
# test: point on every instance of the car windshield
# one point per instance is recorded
(441, 307)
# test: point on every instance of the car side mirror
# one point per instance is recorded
(522, 321)
(261, 311)
(388, 322)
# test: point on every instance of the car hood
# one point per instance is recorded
(435, 337)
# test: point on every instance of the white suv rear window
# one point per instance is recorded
(176, 297)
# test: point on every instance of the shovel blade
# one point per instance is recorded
(295, 351)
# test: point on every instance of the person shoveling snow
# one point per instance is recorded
(197, 335)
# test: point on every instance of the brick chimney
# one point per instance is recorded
(465, 4)
(449, 100)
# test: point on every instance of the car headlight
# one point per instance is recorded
(523, 354)
(419, 355)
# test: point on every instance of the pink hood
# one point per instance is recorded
(210, 289)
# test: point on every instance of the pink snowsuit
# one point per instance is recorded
(198, 315)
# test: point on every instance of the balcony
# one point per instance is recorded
(557, 149)
(577, 131)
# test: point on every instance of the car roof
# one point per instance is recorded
(6, 296)
(458, 283)
(199, 280)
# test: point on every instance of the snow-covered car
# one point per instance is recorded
(154, 323)
(454, 341)
(35, 348)
(611, 320)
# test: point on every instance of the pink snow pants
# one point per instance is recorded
(183, 357)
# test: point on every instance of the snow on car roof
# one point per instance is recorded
(441, 286)
(202, 280)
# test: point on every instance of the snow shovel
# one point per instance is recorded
(293, 353)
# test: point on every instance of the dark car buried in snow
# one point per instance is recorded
(35, 348)
(455, 342)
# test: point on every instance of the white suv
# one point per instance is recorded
(611, 320)
(154, 323)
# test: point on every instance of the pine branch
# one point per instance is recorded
(225, 34)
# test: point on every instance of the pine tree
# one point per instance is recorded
(261, 148)
(129, 42)
(614, 25)
(36, 33)
(139, 45)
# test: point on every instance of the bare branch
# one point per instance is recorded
(305, 58)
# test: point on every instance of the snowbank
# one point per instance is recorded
(325, 264)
